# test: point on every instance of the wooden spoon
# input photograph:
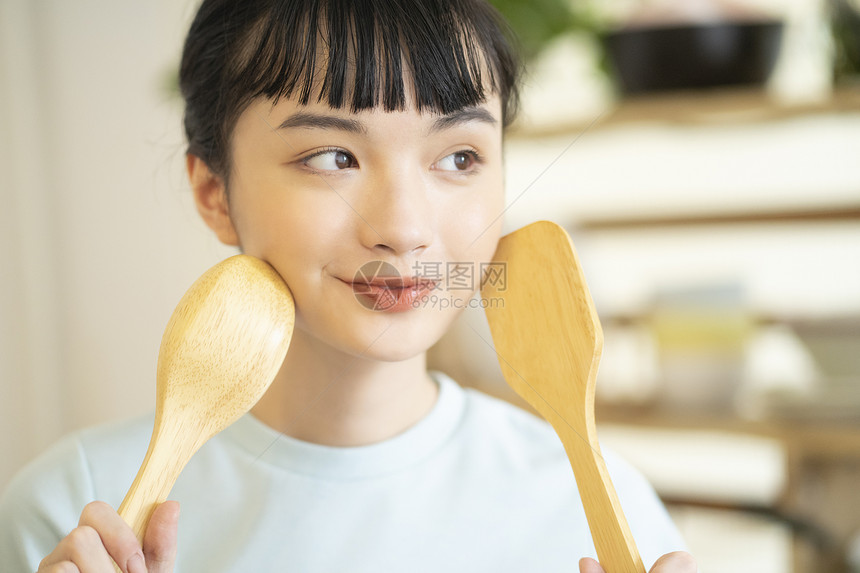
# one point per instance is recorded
(548, 340)
(221, 349)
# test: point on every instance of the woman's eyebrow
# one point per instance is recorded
(310, 120)
(304, 119)
(461, 116)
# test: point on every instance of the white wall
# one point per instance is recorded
(99, 237)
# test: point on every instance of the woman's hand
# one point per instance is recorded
(102, 538)
(677, 562)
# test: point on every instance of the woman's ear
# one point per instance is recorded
(210, 196)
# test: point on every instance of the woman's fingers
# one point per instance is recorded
(677, 562)
(116, 536)
(589, 565)
(159, 542)
(61, 567)
(102, 538)
(81, 550)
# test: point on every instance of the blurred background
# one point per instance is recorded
(703, 154)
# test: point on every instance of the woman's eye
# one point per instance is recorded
(331, 160)
(459, 161)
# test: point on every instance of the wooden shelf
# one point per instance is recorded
(823, 466)
(823, 438)
(705, 107)
(846, 212)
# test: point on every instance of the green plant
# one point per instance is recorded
(538, 22)
(845, 27)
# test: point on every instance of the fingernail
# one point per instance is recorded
(135, 564)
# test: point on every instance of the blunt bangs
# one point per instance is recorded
(444, 55)
(352, 53)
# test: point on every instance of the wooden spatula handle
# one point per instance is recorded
(613, 541)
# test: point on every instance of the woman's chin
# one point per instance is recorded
(388, 338)
(393, 344)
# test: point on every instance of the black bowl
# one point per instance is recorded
(648, 59)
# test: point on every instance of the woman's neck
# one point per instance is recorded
(324, 396)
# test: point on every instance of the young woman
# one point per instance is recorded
(328, 137)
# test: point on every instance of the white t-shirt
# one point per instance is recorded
(477, 485)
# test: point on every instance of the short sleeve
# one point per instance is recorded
(42, 504)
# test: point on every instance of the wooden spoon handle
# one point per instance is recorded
(167, 455)
(613, 541)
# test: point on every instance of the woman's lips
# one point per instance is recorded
(391, 294)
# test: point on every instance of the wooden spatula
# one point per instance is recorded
(548, 340)
(222, 347)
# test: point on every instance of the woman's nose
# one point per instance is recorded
(398, 215)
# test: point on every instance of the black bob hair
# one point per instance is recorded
(347, 53)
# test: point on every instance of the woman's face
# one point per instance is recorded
(342, 204)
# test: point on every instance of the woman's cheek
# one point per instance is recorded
(486, 227)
